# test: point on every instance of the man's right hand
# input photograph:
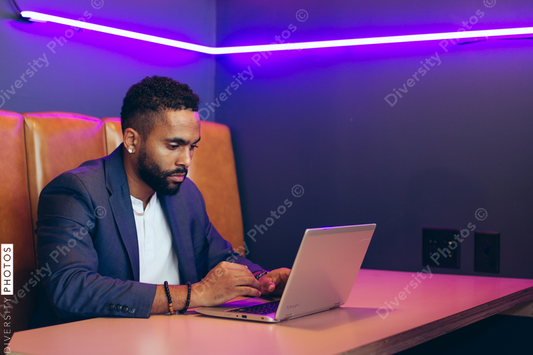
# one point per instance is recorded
(223, 283)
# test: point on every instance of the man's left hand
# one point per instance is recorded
(274, 282)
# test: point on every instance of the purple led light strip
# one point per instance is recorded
(36, 16)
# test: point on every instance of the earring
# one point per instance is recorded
(130, 150)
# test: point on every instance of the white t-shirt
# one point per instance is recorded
(158, 261)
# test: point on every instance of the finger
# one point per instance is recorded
(242, 274)
(234, 266)
(267, 285)
(247, 291)
(237, 278)
(239, 273)
(248, 281)
(277, 277)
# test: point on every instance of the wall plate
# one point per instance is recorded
(441, 247)
(487, 252)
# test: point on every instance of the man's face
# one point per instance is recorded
(166, 154)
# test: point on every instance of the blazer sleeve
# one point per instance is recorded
(66, 229)
(218, 248)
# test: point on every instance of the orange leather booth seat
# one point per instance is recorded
(16, 222)
(39, 146)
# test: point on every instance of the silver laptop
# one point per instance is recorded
(321, 279)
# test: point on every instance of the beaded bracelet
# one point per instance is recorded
(181, 311)
(167, 291)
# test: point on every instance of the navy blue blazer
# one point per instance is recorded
(86, 237)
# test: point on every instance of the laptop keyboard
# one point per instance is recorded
(264, 308)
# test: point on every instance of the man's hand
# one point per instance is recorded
(223, 283)
(274, 282)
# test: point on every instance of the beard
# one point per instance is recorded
(156, 178)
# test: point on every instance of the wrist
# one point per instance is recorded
(179, 298)
(197, 295)
(260, 273)
(187, 300)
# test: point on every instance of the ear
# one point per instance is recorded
(131, 140)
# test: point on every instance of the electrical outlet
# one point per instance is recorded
(487, 252)
(441, 247)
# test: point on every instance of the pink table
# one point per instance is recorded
(435, 306)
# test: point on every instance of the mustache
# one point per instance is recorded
(178, 171)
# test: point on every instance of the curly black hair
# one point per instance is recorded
(146, 100)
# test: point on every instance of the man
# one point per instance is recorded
(113, 230)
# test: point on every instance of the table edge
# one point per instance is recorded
(426, 332)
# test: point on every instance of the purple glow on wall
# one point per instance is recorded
(35, 16)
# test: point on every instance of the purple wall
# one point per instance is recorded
(90, 72)
(459, 139)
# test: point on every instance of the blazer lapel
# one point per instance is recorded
(178, 221)
(120, 202)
